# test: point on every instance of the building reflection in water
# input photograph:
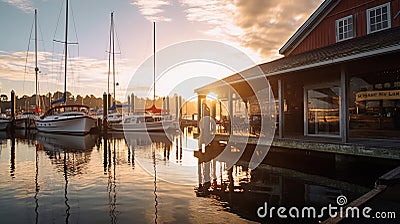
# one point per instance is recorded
(284, 183)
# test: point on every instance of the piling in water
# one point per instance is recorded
(105, 112)
(13, 101)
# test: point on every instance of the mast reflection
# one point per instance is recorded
(155, 184)
(109, 164)
(70, 154)
(37, 187)
(147, 146)
(66, 188)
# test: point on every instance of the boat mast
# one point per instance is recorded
(109, 59)
(154, 64)
(66, 53)
(36, 64)
(113, 51)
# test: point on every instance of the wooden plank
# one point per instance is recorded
(390, 177)
(358, 202)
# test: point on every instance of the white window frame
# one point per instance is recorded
(389, 19)
(353, 33)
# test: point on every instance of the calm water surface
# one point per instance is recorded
(47, 178)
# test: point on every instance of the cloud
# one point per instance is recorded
(260, 25)
(152, 9)
(85, 75)
(24, 5)
(268, 24)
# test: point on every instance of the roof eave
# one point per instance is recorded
(376, 52)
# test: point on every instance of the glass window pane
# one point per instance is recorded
(379, 26)
(372, 13)
(323, 111)
(384, 9)
(372, 114)
(378, 11)
(385, 24)
(384, 17)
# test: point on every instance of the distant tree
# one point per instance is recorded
(4, 97)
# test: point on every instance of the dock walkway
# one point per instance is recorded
(378, 148)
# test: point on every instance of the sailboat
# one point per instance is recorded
(26, 120)
(153, 119)
(67, 119)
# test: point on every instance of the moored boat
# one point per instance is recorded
(141, 123)
(26, 120)
(4, 122)
(69, 119)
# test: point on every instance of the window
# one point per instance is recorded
(344, 28)
(322, 110)
(378, 18)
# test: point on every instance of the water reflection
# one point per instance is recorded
(142, 144)
(86, 179)
(70, 154)
(12, 156)
(155, 184)
(110, 148)
(66, 188)
(243, 191)
(37, 187)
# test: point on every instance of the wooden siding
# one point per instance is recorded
(325, 34)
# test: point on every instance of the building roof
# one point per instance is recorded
(374, 44)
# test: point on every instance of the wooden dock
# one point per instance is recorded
(385, 149)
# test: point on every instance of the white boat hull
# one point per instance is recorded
(75, 125)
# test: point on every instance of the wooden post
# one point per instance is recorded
(13, 102)
(132, 103)
(213, 116)
(168, 104)
(180, 107)
(230, 110)
(129, 104)
(109, 100)
(176, 107)
(105, 110)
(344, 105)
(281, 107)
(199, 103)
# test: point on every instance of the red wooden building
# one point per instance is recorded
(339, 77)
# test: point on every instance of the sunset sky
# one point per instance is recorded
(257, 27)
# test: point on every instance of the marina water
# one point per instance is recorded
(46, 178)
